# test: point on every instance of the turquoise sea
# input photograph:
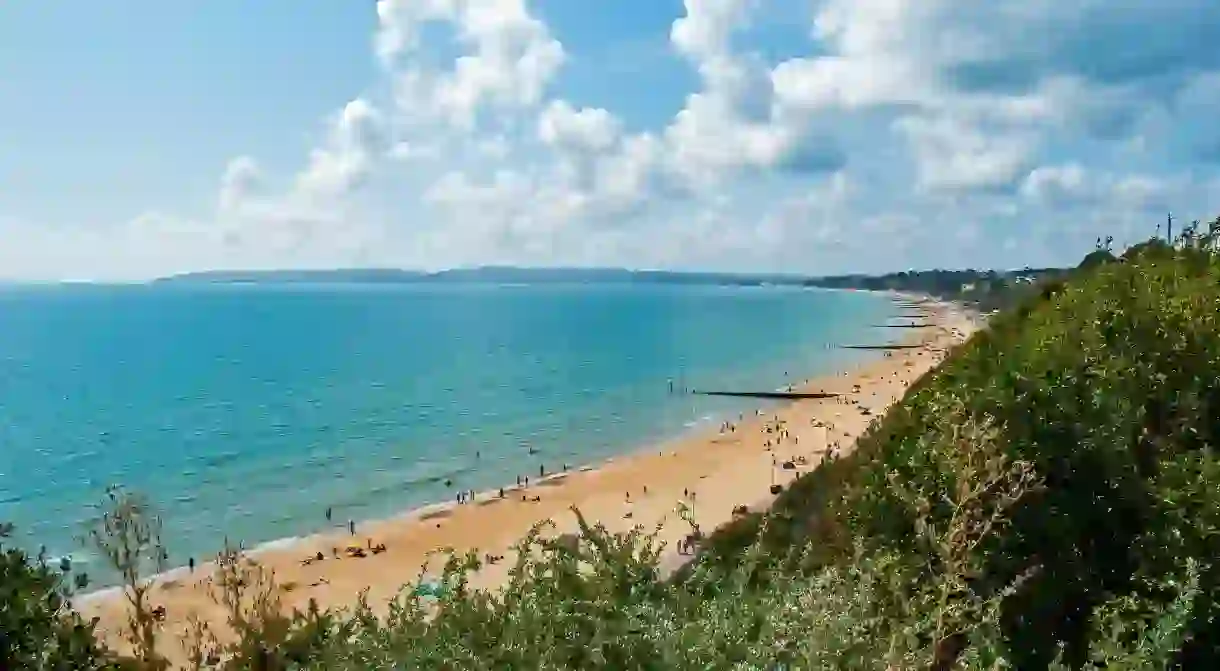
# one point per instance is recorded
(247, 410)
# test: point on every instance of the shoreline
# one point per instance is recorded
(700, 427)
(721, 465)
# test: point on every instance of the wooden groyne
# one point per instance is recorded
(782, 395)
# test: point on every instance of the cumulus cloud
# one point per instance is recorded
(355, 138)
(572, 130)
(1058, 185)
(951, 154)
(241, 181)
(1000, 73)
(733, 123)
(907, 133)
(509, 57)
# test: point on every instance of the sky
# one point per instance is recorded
(140, 139)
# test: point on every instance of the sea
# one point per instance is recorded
(245, 411)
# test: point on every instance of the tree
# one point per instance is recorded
(38, 630)
(128, 536)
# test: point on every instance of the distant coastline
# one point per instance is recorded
(483, 275)
(985, 290)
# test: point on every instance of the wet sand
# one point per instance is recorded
(723, 469)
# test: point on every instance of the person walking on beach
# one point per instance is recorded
(351, 527)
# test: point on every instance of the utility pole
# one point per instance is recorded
(1169, 227)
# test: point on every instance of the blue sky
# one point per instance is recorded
(139, 139)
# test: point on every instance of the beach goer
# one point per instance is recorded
(190, 562)
(501, 492)
(541, 470)
(351, 527)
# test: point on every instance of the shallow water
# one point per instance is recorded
(246, 411)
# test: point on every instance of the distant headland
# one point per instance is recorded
(949, 284)
(482, 274)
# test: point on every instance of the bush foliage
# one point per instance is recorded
(37, 629)
(1048, 497)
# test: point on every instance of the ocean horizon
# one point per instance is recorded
(244, 412)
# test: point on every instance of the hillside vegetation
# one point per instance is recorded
(985, 290)
(1049, 497)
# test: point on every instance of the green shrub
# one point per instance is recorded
(38, 631)
(1109, 386)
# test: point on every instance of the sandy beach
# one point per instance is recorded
(711, 473)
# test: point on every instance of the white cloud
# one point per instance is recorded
(950, 154)
(241, 181)
(1057, 185)
(571, 130)
(910, 132)
(508, 62)
(733, 123)
(356, 137)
